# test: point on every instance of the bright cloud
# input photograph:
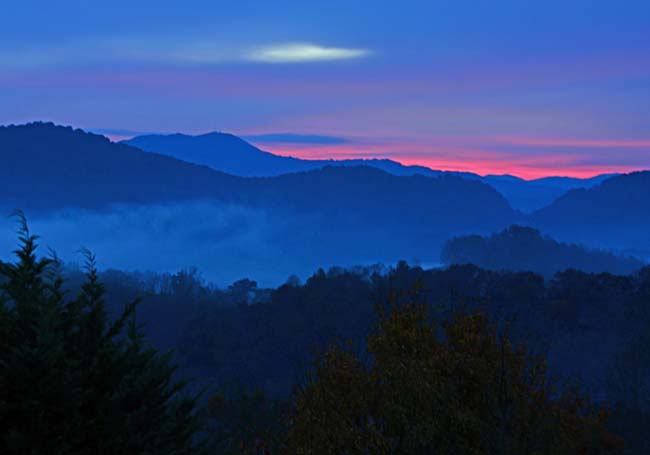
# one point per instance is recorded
(164, 50)
(303, 52)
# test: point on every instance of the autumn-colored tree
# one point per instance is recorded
(243, 422)
(460, 387)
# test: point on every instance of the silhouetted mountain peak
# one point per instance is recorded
(42, 129)
(214, 142)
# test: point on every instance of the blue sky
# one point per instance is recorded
(532, 88)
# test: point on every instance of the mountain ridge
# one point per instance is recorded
(232, 154)
(207, 149)
(90, 171)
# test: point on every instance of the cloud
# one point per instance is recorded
(164, 50)
(579, 143)
(303, 52)
(291, 138)
(234, 241)
(225, 241)
(121, 132)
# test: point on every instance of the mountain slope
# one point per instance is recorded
(623, 196)
(49, 167)
(221, 151)
(617, 211)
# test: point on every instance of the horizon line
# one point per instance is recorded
(117, 135)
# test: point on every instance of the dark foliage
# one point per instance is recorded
(244, 422)
(582, 322)
(456, 387)
(73, 382)
(579, 319)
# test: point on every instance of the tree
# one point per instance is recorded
(629, 390)
(446, 388)
(244, 422)
(242, 291)
(71, 381)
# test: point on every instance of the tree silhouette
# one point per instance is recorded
(71, 381)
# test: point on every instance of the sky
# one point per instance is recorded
(526, 88)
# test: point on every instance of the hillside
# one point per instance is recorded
(221, 151)
(614, 213)
(614, 201)
(48, 167)
(521, 248)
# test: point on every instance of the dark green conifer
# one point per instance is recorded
(74, 382)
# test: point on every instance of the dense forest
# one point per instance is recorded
(281, 369)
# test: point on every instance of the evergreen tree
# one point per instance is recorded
(74, 382)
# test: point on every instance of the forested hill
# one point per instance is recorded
(523, 248)
(619, 200)
(615, 214)
(47, 167)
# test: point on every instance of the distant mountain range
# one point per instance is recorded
(231, 154)
(531, 195)
(47, 167)
(228, 153)
(330, 215)
(358, 213)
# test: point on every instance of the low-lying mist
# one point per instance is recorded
(224, 242)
